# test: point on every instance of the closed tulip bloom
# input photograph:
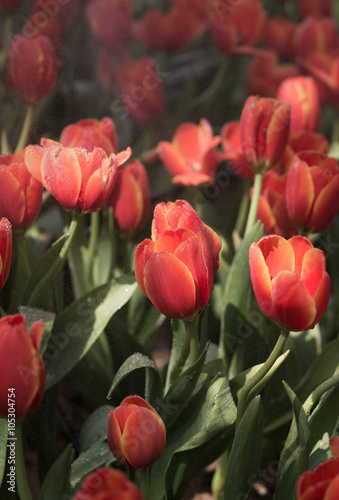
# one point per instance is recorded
(5, 250)
(315, 34)
(130, 197)
(191, 157)
(264, 131)
(107, 483)
(290, 281)
(22, 368)
(91, 133)
(232, 150)
(20, 192)
(301, 93)
(33, 65)
(136, 433)
(80, 180)
(176, 268)
(278, 35)
(322, 483)
(312, 188)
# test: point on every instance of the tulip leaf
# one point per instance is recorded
(56, 483)
(78, 326)
(3, 446)
(244, 460)
(294, 457)
(153, 389)
(98, 455)
(95, 427)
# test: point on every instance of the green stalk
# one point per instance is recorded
(55, 268)
(245, 392)
(23, 254)
(21, 476)
(193, 335)
(26, 128)
(92, 245)
(144, 483)
(252, 216)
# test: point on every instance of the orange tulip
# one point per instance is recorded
(22, 368)
(89, 134)
(175, 269)
(5, 250)
(130, 197)
(322, 483)
(136, 433)
(232, 150)
(107, 483)
(191, 157)
(78, 179)
(20, 192)
(290, 281)
(312, 188)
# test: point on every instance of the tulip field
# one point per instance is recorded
(169, 250)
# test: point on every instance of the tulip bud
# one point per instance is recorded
(130, 197)
(107, 483)
(312, 188)
(20, 192)
(264, 131)
(5, 250)
(80, 180)
(89, 134)
(136, 434)
(22, 368)
(33, 66)
(290, 281)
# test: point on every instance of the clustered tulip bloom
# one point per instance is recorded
(107, 483)
(176, 268)
(20, 192)
(264, 131)
(89, 134)
(5, 250)
(322, 483)
(80, 180)
(290, 281)
(191, 157)
(130, 197)
(33, 65)
(22, 368)
(312, 188)
(136, 433)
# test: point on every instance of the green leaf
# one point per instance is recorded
(56, 483)
(98, 455)
(245, 454)
(294, 457)
(3, 446)
(136, 362)
(32, 315)
(95, 427)
(179, 352)
(80, 324)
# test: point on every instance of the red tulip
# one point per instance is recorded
(324, 67)
(22, 368)
(334, 446)
(10, 4)
(278, 34)
(141, 89)
(78, 179)
(301, 93)
(176, 268)
(20, 192)
(264, 131)
(232, 150)
(315, 34)
(322, 483)
(321, 8)
(32, 64)
(107, 483)
(290, 281)
(312, 188)
(130, 197)
(89, 134)
(191, 157)
(136, 434)
(5, 250)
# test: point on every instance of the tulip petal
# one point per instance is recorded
(278, 254)
(299, 193)
(99, 186)
(170, 286)
(332, 493)
(261, 281)
(138, 401)
(114, 437)
(300, 245)
(322, 297)
(172, 159)
(12, 197)
(169, 241)
(325, 207)
(192, 141)
(313, 269)
(294, 307)
(33, 159)
(143, 253)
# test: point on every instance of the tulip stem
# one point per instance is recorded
(247, 393)
(92, 244)
(26, 129)
(23, 254)
(21, 477)
(192, 332)
(144, 483)
(252, 215)
(243, 208)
